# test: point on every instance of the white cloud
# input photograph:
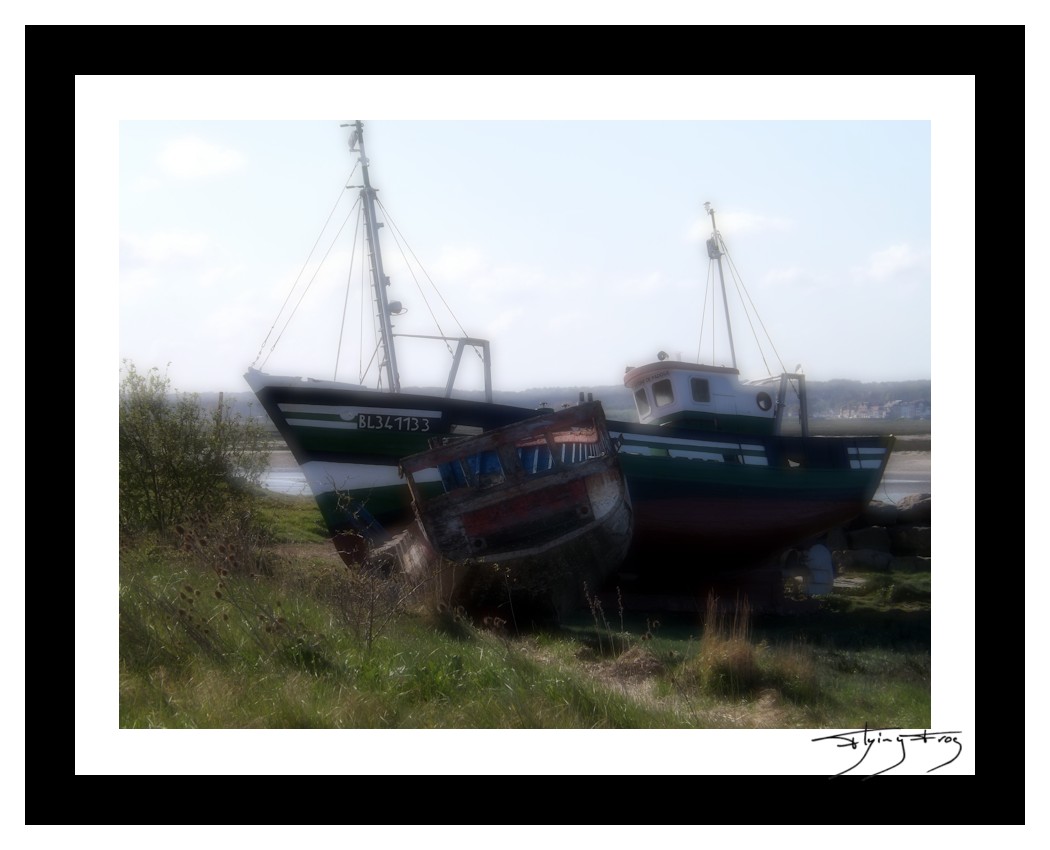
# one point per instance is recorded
(192, 157)
(218, 275)
(134, 283)
(785, 277)
(458, 262)
(564, 322)
(145, 184)
(652, 287)
(503, 321)
(220, 319)
(893, 261)
(161, 247)
(736, 223)
(651, 284)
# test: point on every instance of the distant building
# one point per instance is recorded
(896, 409)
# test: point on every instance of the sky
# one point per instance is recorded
(559, 217)
(575, 246)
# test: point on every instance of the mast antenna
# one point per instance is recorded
(379, 279)
(714, 251)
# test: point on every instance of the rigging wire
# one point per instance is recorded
(361, 321)
(703, 315)
(295, 283)
(371, 360)
(742, 289)
(401, 239)
(362, 367)
(309, 284)
(398, 240)
(346, 298)
(750, 313)
(377, 330)
(746, 301)
(741, 293)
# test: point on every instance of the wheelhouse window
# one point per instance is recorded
(535, 458)
(663, 395)
(642, 400)
(487, 469)
(701, 389)
(479, 471)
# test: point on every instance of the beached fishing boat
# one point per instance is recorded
(714, 476)
(528, 517)
(713, 468)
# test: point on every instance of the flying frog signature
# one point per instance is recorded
(883, 750)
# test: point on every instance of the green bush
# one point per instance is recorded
(179, 462)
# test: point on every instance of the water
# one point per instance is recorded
(290, 481)
(907, 473)
(285, 476)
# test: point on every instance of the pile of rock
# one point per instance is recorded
(885, 537)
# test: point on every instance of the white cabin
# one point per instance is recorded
(709, 398)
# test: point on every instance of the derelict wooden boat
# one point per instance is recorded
(527, 517)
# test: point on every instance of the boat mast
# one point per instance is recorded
(379, 279)
(714, 251)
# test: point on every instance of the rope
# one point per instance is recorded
(750, 312)
(400, 238)
(295, 283)
(308, 285)
(364, 371)
(361, 322)
(703, 315)
(346, 298)
(741, 288)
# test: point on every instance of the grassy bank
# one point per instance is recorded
(254, 623)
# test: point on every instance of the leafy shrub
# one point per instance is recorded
(179, 462)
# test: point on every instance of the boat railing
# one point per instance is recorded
(786, 381)
(461, 345)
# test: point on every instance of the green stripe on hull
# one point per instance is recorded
(731, 423)
(321, 417)
(650, 476)
(660, 449)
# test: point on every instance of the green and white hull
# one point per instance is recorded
(701, 497)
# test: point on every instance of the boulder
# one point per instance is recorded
(875, 537)
(870, 560)
(911, 540)
(879, 513)
(914, 509)
(910, 564)
(836, 539)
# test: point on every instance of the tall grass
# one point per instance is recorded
(202, 646)
(727, 661)
(229, 626)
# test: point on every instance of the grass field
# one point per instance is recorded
(254, 623)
